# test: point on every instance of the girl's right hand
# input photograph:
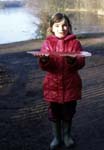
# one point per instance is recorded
(44, 59)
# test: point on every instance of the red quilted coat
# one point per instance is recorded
(62, 82)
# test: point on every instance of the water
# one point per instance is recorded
(17, 24)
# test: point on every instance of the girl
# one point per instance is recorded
(62, 83)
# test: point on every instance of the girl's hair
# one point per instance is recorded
(57, 18)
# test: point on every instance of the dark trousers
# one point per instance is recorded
(64, 112)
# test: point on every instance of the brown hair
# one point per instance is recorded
(57, 18)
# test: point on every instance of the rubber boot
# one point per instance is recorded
(68, 141)
(56, 126)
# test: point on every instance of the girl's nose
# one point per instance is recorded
(61, 28)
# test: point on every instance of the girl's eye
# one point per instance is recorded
(65, 25)
(62, 25)
(56, 25)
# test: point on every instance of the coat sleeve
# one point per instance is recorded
(79, 62)
(50, 65)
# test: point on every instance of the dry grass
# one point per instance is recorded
(36, 44)
(20, 46)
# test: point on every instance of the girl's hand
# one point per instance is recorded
(44, 59)
(70, 60)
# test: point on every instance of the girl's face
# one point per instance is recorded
(60, 29)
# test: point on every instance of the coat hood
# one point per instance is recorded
(54, 38)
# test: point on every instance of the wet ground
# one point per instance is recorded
(23, 112)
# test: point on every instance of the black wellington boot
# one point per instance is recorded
(56, 126)
(68, 141)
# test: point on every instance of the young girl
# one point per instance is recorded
(62, 83)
